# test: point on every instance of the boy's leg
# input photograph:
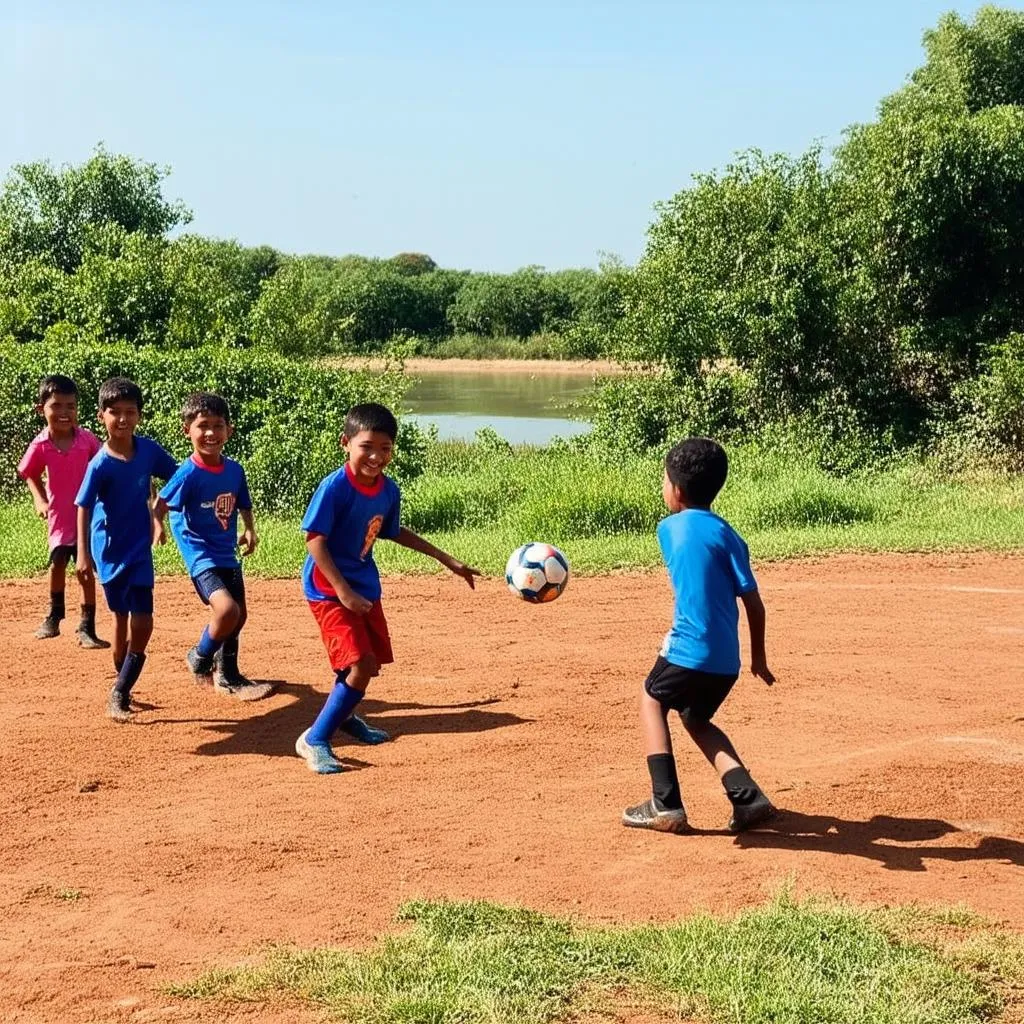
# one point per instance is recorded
(749, 804)
(664, 812)
(227, 676)
(135, 604)
(224, 616)
(314, 745)
(120, 639)
(57, 576)
(86, 632)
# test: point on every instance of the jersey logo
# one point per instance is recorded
(223, 507)
(372, 529)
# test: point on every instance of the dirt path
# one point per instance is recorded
(135, 855)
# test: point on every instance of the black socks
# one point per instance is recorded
(229, 656)
(740, 788)
(56, 605)
(664, 782)
(87, 624)
(130, 672)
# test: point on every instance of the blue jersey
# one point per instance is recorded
(351, 516)
(709, 566)
(204, 503)
(117, 491)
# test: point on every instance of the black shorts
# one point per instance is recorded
(208, 582)
(694, 694)
(63, 553)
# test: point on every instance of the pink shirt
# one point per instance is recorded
(64, 473)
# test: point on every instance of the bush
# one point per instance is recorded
(288, 415)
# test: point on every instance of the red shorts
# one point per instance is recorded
(349, 637)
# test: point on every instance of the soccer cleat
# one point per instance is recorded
(646, 815)
(119, 706)
(200, 667)
(90, 641)
(48, 629)
(234, 684)
(745, 816)
(318, 756)
(358, 729)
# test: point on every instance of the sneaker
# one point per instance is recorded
(358, 729)
(318, 756)
(90, 641)
(751, 815)
(48, 629)
(119, 706)
(234, 684)
(200, 667)
(646, 815)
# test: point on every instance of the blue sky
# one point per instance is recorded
(490, 136)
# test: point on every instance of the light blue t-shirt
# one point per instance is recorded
(709, 567)
(351, 516)
(117, 491)
(204, 503)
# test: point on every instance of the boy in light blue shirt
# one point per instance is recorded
(206, 497)
(709, 568)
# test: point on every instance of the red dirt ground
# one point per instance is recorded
(131, 856)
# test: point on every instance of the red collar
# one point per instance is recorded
(371, 490)
(197, 461)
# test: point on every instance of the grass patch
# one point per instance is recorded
(475, 346)
(480, 501)
(788, 961)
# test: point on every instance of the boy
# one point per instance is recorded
(351, 508)
(709, 567)
(61, 452)
(116, 531)
(206, 496)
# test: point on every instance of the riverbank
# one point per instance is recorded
(530, 367)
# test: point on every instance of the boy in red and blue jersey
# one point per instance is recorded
(350, 510)
(206, 497)
(54, 466)
(116, 531)
(709, 567)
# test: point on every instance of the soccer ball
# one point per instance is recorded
(537, 572)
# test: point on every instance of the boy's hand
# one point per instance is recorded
(42, 507)
(759, 667)
(355, 602)
(465, 571)
(247, 542)
(84, 572)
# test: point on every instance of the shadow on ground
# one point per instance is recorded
(273, 732)
(880, 838)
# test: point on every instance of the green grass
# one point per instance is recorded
(788, 961)
(480, 501)
(475, 346)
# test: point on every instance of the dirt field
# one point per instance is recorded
(134, 855)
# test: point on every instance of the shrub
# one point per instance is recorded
(288, 415)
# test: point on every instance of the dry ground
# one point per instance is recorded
(135, 855)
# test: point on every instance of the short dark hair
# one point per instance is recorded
(56, 384)
(371, 416)
(119, 389)
(698, 466)
(204, 403)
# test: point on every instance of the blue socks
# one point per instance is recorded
(130, 671)
(207, 646)
(341, 702)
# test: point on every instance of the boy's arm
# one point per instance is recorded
(38, 492)
(158, 509)
(316, 545)
(415, 542)
(754, 607)
(83, 560)
(248, 541)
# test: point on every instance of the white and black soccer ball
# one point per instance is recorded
(537, 572)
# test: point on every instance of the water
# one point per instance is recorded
(523, 407)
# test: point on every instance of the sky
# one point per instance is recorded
(489, 136)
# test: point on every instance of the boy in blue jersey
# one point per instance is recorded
(709, 567)
(116, 531)
(206, 497)
(350, 509)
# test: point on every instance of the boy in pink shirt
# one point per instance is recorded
(60, 453)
